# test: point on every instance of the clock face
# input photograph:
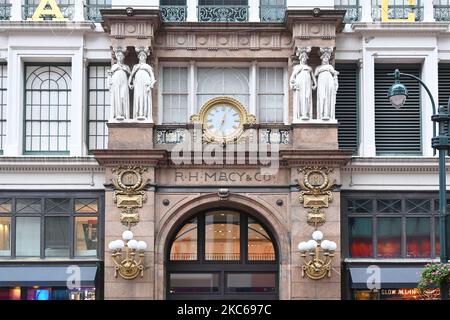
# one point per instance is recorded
(223, 121)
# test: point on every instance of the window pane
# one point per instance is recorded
(260, 246)
(57, 205)
(360, 206)
(10, 293)
(271, 95)
(222, 236)
(57, 237)
(99, 104)
(418, 205)
(437, 232)
(86, 236)
(251, 282)
(86, 205)
(389, 205)
(28, 236)
(184, 246)
(5, 236)
(5, 205)
(194, 283)
(361, 245)
(389, 233)
(418, 238)
(28, 206)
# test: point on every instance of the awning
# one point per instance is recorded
(45, 275)
(390, 277)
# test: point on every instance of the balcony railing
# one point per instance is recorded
(223, 13)
(353, 12)
(398, 12)
(67, 11)
(5, 11)
(173, 13)
(442, 12)
(92, 11)
(272, 13)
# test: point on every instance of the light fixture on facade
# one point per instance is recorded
(397, 93)
(130, 266)
(318, 255)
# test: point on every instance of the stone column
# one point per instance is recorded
(253, 11)
(191, 11)
(16, 10)
(366, 10)
(430, 77)
(79, 11)
(428, 11)
(367, 124)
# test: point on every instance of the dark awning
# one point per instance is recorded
(44, 275)
(390, 277)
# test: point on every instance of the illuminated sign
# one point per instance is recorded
(385, 13)
(48, 8)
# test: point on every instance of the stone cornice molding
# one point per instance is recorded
(29, 26)
(49, 164)
(330, 158)
(390, 28)
(394, 165)
(146, 158)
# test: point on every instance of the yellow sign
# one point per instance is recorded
(47, 8)
(385, 13)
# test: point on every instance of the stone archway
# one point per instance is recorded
(172, 220)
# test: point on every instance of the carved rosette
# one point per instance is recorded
(129, 194)
(315, 192)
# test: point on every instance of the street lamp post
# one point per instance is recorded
(397, 95)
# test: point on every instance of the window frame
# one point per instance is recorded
(3, 104)
(72, 215)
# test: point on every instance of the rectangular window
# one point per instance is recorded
(47, 109)
(251, 282)
(397, 131)
(418, 239)
(57, 237)
(442, 10)
(222, 236)
(361, 237)
(175, 95)
(86, 236)
(194, 282)
(347, 105)
(271, 95)
(93, 7)
(28, 236)
(272, 10)
(3, 104)
(353, 8)
(99, 107)
(230, 82)
(389, 237)
(398, 9)
(444, 81)
(66, 6)
(5, 236)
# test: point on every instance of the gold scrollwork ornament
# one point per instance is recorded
(315, 192)
(129, 194)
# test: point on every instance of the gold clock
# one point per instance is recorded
(223, 119)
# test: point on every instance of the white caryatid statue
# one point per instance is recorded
(302, 82)
(118, 86)
(142, 80)
(327, 86)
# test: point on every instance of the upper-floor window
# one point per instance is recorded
(47, 108)
(99, 106)
(214, 82)
(398, 9)
(67, 8)
(353, 8)
(3, 104)
(93, 7)
(175, 95)
(57, 225)
(271, 95)
(442, 10)
(272, 10)
(173, 10)
(5, 9)
(222, 10)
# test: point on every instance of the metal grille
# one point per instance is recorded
(347, 105)
(398, 9)
(47, 106)
(272, 10)
(98, 107)
(173, 10)
(5, 9)
(93, 7)
(222, 10)
(67, 8)
(353, 8)
(3, 91)
(397, 131)
(175, 95)
(442, 10)
(271, 95)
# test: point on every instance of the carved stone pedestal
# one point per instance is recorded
(130, 135)
(315, 136)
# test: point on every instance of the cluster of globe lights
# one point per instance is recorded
(326, 245)
(131, 243)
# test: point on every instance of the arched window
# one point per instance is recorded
(47, 108)
(222, 254)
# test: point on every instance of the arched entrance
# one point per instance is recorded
(222, 254)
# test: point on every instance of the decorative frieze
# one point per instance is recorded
(274, 136)
(170, 136)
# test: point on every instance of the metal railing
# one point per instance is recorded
(272, 13)
(442, 12)
(173, 13)
(353, 14)
(5, 11)
(223, 13)
(67, 11)
(401, 11)
(92, 11)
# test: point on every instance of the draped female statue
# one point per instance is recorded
(327, 86)
(118, 86)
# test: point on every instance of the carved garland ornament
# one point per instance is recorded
(315, 192)
(128, 193)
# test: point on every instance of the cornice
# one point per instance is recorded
(114, 158)
(401, 27)
(49, 164)
(28, 26)
(333, 158)
(394, 165)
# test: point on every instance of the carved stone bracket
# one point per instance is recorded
(315, 192)
(129, 194)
